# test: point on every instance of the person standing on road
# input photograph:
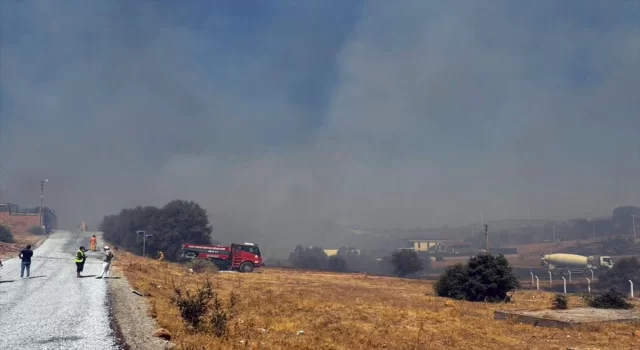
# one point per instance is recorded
(81, 257)
(106, 265)
(25, 255)
(94, 243)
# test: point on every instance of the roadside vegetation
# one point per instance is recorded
(6, 236)
(36, 230)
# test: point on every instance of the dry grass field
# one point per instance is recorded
(354, 311)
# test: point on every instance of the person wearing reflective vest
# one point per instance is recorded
(81, 257)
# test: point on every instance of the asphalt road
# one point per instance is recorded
(53, 309)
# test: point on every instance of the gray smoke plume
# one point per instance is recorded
(276, 116)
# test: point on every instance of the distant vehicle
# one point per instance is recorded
(563, 263)
(241, 257)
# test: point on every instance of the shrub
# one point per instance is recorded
(484, 278)
(609, 300)
(221, 317)
(6, 235)
(337, 264)
(202, 266)
(406, 262)
(452, 282)
(560, 302)
(193, 307)
(36, 230)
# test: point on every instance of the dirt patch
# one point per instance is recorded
(569, 318)
(131, 316)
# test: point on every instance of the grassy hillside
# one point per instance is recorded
(354, 311)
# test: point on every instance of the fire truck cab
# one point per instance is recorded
(241, 257)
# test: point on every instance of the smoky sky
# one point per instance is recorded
(372, 113)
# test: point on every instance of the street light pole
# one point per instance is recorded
(144, 241)
(42, 202)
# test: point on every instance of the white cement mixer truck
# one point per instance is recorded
(563, 263)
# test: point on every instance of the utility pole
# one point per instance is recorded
(486, 238)
(5, 170)
(144, 241)
(42, 202)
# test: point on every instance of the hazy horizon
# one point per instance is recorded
(272, 115)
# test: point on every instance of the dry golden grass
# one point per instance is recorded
(354, 311)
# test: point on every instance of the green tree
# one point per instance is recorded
(622, 219)
(406, 262)
(337, 263)
(176, 223)
(484, 277)
(308, 258)
(618, 276)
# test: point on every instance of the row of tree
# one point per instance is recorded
(177, 222)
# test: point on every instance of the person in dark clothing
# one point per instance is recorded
(81, 257)
(25, 255)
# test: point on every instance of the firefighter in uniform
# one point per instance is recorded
(81, 257)
(94, 243)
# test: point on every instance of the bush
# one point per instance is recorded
(193, 307)
(484, 278)
(36, 230)
(337, 264)
(560, 302)
(6, 235)
(202, 266)
(406, 262)
(221, 317)
(609, 300)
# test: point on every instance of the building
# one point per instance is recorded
(440, 246)
(332, 252)
(20, 220)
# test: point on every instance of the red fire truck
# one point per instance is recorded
(241, 257)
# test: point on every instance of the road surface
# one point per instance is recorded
(53, 309)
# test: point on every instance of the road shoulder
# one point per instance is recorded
(130, 313)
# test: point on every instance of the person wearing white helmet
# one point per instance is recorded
(106, 264)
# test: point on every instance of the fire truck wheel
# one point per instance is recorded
(246, 267)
